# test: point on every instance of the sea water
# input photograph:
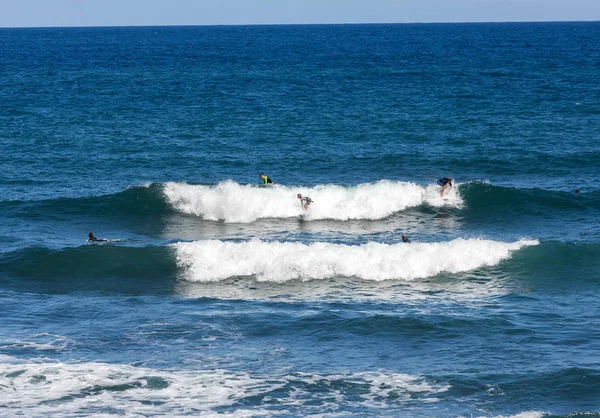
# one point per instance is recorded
(217, 296)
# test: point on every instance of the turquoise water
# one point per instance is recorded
(218, 296)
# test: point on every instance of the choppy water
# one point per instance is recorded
(217, 296)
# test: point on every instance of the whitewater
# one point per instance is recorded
(282, 261)
(232, 202)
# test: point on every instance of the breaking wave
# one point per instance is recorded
(232, 202)
(214, 260)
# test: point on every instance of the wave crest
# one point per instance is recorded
(232, 202)
(214, 260)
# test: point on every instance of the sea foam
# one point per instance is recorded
(215, 260)
(232, 202)
(85, 389)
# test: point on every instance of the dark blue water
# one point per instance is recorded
(217, 296)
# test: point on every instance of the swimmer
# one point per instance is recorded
(445, 182)
(405, 238)
(266, 179)
(305, 201)
(93, 238)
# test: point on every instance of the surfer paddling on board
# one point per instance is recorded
(405, 238)
(266, 179)
(305, 201)
(93, 238)
(445, 182)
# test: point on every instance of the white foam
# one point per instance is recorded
(40, 342)
(214, 260)
(232, 202)
(100, 389)
(527, 414)
(58, 387)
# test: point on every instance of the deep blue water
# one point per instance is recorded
(218, 296)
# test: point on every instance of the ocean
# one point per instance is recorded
(214, 295)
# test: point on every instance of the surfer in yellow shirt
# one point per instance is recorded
(266, 179)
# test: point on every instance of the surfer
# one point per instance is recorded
(405, 238)
(305, 201)
(445, 182)
(266, 179)
(93, 238)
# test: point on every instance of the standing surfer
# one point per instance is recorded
(305, 201)
(445, 182)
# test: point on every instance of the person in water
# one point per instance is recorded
(445, 182)
(405, 238)
(93, 238)
(266, 179)
(305, 201)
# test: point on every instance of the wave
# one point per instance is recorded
(135, 201)
(485, 198)
(214, 260)
(232, 202)
(547, 265)
(111, 268)
(180, 266)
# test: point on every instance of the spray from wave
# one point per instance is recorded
(214, 260)
(232, 202)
